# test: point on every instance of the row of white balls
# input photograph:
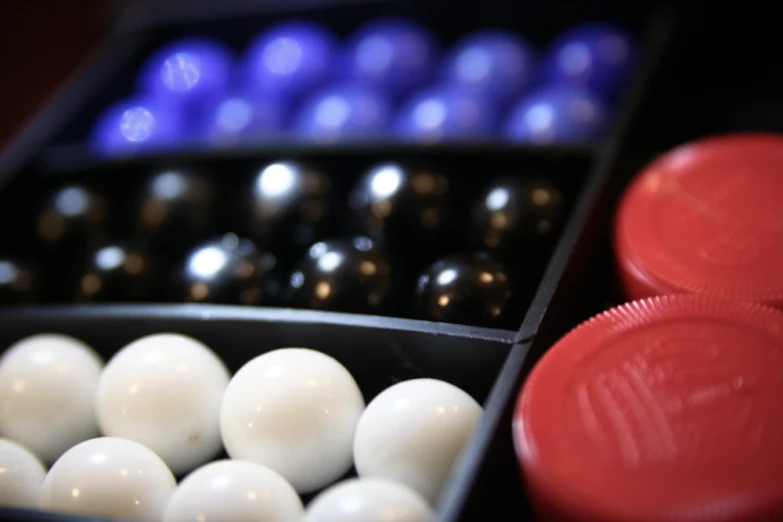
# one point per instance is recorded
(114, 477)
(294, 410)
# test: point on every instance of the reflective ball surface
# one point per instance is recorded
(599, 57)
(20, 282)
(494, 63)
(401, 203)
(186, 70)
(115, 272)
(73, 214)
(109, 478)
(136, 126)
(472, 289)
(512, 214)
(176, 206)
(392, 54)
(290, 59)
(290, 202)
(557, 114)
(228, 270)
(346, 275)
(446, 114)
(344, 112)
(238, 118)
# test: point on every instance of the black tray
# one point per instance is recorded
(488, 363)
(707, 84)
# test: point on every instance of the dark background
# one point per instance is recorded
(41, 43)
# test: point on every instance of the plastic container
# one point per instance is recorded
(488, 363)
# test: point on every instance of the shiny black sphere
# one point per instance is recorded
(228, 270)
(176, 207)
(71, 215)
(20, 282)
(346, 275)
(114, 272)
(402, 204)
(290, 202)
(511, 214)
(472, 289)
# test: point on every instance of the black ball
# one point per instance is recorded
(472, 289)
(511, 215)
(229, 270)
(402, 204)
(176, 207)
(20, 282)
(114, 272)
(346, 275)
(289, 203)
(73, 215)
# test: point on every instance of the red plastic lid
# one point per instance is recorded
(706, 218)
(664, 409)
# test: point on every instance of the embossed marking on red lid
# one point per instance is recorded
(664, 409)
(706, 218)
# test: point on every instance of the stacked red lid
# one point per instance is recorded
(664, 409)
(706, 218)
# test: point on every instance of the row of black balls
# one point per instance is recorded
(398, 210)
(351, 274)
(293, 204)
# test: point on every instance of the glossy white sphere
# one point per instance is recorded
(109, 477)
(413, 433)
(164, 391)
(234, 491)
(294, 410)
(21, 476)
(369, 500)
(47, 393)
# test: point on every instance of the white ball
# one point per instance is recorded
(47, 393)
(234, 491)
(164, 391)
(294, 410)
(369, 500)
(413, 433)
(21, 476)
(109, 477)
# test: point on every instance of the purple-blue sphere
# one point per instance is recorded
(392, 54)
(446, 113)
(187, 70)
(135, 126)
(238, 117)
(557, 114)
(599, 57)
(343, 112)
(290, 60)
(497, 64)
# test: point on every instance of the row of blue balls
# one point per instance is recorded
(191, 92)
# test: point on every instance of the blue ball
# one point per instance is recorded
(446, 113)
(289, 60)
(392, 54)
(599, 57)
(557, 114)
(135, 126)
(238, 117)
(187, 70)
(343, 112)
(494, 63)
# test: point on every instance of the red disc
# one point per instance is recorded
(664, 409)
(706, 218)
